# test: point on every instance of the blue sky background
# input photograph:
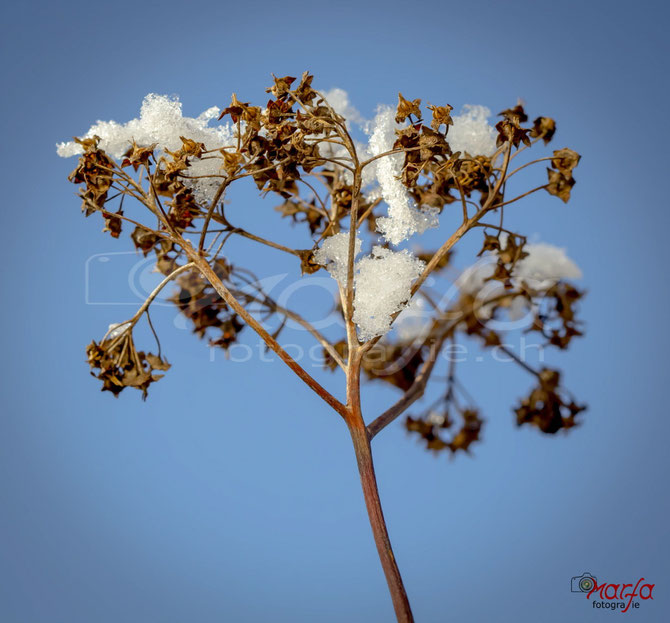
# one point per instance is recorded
(232, 493)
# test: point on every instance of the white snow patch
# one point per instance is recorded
(544, 266)
(116, 329)
(383, 287)
(333, 255)
(472, 132)
(404, 218)
(339, 100)
(161, 121)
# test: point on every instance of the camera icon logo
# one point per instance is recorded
(583, 583)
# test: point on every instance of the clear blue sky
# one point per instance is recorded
(232, 494)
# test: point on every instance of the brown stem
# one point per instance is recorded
(208, 273)
(361, 442)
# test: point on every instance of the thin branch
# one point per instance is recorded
(499, 228)
(348, 301)
(145, 306)
(530, 192)
(210, 211)
(368, 210)
(209, 274)
(465, 206)
(151, 326)
(522, 149)
(414, 393)
(523, 166)
(97, 208)
(518, 360)
(275, 307)
(268, 243)
(390, 152)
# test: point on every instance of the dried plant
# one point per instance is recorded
(354, 200)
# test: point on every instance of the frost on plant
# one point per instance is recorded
(162, 124)
(542, 266)
(545, 265)
(382, 287)
(117, 328)
(471, 132)
(404, 218)
(333, 255)
(382, 281)
(538, 268)
(339, 100)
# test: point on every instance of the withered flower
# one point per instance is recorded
(407, 108)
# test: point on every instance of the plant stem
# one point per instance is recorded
(208, 273)
(361, 442)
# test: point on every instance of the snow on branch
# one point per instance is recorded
(161, 122)
(382, 281)
(471, 131)
(404, 218)
(383, 287)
